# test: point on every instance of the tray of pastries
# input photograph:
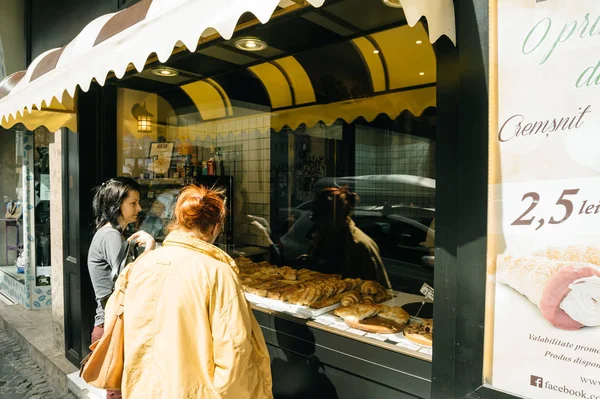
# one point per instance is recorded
(303, 291)
(386, 319)
(374, 318)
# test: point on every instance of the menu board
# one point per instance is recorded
(544, 200)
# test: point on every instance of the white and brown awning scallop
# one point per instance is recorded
(44, 93)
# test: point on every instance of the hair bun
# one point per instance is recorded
(199, 209)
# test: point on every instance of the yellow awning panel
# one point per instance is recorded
(372, 58)
(392, 104)
(275, 83)
(210, 99)
(53, 117)
(304, 92)
(409, 58)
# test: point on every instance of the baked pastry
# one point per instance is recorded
(421, 334)
(382, 295)
(369, 287)
(350, 298)
(394, 313)
(356, 312)
(366, 317)
(323, 303)
(369, 299)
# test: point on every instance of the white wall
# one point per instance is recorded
(12, 34)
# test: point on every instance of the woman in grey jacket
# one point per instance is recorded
(116, 204)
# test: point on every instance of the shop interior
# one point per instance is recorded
(277, 118)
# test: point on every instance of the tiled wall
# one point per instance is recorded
(383, 152)
(246, 146)
(13, 289)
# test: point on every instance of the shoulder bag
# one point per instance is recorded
(103, 367)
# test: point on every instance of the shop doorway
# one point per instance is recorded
(71, 246)
(88, 160)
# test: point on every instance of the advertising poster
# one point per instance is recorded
(544, 204)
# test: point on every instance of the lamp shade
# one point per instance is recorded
(143, 117)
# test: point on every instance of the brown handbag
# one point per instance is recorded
(103, 367)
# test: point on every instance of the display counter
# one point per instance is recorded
(313, 359)
(316, 353)
(333, 324)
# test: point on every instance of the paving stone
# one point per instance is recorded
(21, 378)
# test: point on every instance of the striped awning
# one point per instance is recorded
(111, 43)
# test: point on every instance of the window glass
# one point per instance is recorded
(43, 138)
(12, 263)
(329, 160)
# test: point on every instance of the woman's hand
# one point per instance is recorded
(144, 239)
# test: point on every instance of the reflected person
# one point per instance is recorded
(339, 246)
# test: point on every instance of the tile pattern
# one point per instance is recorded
(12, 288)
(380, 152)
(245, 144)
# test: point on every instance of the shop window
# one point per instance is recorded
(43, 138)
(12, 261)
(25, 193)
(346, 125)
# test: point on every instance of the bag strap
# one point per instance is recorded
(121, 261)
(124, 252)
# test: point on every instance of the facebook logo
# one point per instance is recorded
(536, 381)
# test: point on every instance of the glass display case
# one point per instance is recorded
(332, 189)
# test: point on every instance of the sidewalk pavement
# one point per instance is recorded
(21, 378)
(32, 331)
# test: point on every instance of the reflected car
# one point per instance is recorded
(405, 243)
(399, 189)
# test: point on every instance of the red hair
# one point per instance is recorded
(199, 209)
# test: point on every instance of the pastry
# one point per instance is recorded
(356, 312)
(566, 290)
(394, 313)
(323, 303)
(381, 295)
(367, 299)
(376, 325)
(369, 287)
(350, 298)
(421, 334)
(379, 319)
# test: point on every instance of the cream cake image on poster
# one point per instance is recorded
(564, 283)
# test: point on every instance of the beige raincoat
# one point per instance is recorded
(189, 331)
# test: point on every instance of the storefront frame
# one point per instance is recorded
(463, 73)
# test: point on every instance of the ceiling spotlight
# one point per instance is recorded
(375, 51)
(421, 73)
(419, 41)
(250, 44)
(392, 3)
(165, 72)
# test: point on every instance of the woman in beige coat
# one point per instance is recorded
(189, 331)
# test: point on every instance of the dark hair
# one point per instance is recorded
(108, 200)
(199, 209)
(333, 205)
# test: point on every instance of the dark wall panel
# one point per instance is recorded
(56, 23)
